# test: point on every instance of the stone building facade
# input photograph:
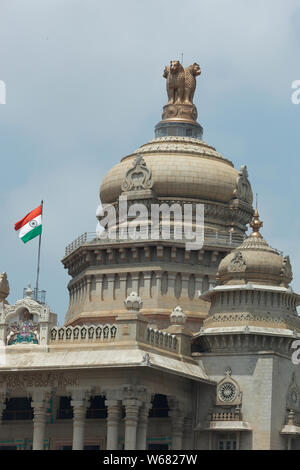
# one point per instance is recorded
(163, 346)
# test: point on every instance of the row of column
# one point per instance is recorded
(135, 400)
(136, 423)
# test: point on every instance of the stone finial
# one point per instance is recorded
(133, 302)
(28, 291)
(256, 225)
(4, 286)
(177, 317)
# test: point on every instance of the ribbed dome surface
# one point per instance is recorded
(181, 167)
(255, 261)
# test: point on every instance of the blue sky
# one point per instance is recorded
(85, 87)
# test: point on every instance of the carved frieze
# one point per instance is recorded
(41, 379)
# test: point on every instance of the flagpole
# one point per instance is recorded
(39, 256)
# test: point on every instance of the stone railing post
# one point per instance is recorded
(132, 325)
(177, 328)
(45, 326)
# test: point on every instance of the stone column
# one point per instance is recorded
(177, 424)
(131, 421)
(187, 440)
(141, 442)
(40, 403)
(114, 412)
(177, 431)
(79, 402)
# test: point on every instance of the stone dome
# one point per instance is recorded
(254, 261)
(181, 167)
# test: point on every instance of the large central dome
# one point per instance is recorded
(181, 167)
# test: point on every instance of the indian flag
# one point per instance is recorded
(31, 225)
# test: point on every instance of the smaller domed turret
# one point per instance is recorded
(255, 261)
(253, 288)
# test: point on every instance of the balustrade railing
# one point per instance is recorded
(84, 333)
(161, 339)
(211, 237)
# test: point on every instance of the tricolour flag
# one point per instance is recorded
(31, 225)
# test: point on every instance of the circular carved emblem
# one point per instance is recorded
(227, 392)
(33, 223)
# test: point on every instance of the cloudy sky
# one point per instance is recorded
(84, 88)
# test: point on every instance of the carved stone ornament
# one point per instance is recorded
(237, 264)
(286, 272)
(133, 302)
(4, 287)
(228, 391)
(293, 395)
(243, 189)
(138, 177)
(177, 317)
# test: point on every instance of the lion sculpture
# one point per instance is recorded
(190, 74)
(175, 82)
(181, 83)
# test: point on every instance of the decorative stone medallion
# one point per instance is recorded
(227, 392)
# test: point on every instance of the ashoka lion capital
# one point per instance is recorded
(181, 85)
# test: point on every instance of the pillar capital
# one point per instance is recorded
(80, 397)
(132, 404)
(40, 397)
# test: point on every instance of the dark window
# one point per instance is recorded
(158, 447)
(226, 441)
(97, 409)
(18, 408)
(160, 407)
(65, 410)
